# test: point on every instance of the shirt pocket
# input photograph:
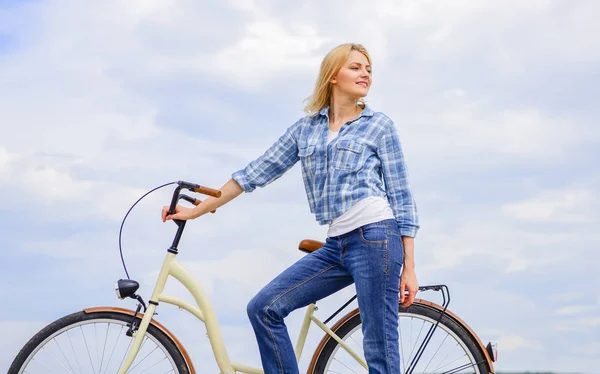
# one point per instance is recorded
(348, 155)
(308, 159)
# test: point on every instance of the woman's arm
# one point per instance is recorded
(229, 191)
(271, 165)
(395, 177)
(408, 279)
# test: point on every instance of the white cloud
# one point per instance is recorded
(457, 127)
(5, 160)
(581, 324)
(513, 342)
(267, 51)
(570, 205)
(575, 309)
(590, 349)
(568, 296)
(509, 36)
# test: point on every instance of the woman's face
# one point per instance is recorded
(354, 77)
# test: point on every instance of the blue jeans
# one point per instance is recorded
(371, 257)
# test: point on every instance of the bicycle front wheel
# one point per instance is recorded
(96, 343)
(450, 348)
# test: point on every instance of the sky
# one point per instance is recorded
(495, 103)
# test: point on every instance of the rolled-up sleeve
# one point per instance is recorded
(396, 179)
(272, 164)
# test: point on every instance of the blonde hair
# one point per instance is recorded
(331, 64)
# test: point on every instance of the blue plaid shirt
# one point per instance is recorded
(365, 159)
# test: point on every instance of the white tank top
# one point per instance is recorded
(368, 210)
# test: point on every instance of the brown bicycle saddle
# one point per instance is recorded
(309, 245)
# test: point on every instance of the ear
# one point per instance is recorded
(333, 80)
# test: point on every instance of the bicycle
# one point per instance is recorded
(137, 335)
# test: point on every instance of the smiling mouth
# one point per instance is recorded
(362, 84)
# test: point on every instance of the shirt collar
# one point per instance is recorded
(366, 112)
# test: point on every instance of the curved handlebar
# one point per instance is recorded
(192, 187)
(192, 200)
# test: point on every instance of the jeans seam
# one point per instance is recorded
(385, 333)
(273, 342)
(386, 257)
(342, 253)
(277, 298)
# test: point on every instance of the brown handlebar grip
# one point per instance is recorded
(208, 191)
(198, 201)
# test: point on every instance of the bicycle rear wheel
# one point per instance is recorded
(450, 349)
(96, 343)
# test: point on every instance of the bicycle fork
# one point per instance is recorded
(138, 335)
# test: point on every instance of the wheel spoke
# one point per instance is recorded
(153, 365)
(426, 341)
(400, 341)
(145, 357)
(440, 366)
(55, 359)
(357, 344)
(436, 351)
(104, 348)
(90, 337)
(88, 349)
(63, 353)
(449, 363)
(73, 349)
(416, 340)
(349, 368)
(114, 346)
(43, 365)
(456, 370)
(126, 351)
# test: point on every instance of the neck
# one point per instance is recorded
(342, 110)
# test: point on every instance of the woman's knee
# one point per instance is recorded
(255, 305)
(266, 306)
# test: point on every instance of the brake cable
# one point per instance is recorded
(124, 218)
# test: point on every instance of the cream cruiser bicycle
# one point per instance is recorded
(114, 340)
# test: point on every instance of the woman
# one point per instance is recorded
(356, 182)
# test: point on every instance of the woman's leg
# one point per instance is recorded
(315, 276)
(374, 257)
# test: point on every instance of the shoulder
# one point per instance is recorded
(379, 122)
(305, 125)
(296, 127)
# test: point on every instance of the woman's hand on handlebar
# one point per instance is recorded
(181, 213)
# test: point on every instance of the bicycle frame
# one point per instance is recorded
(204, 312)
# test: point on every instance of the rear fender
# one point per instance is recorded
(427, 303)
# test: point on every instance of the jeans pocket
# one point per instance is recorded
(371, 234)
(376, 239)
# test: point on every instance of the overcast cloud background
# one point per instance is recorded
(497, 107)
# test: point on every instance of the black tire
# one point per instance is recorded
(414, 309)
(78, 317)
